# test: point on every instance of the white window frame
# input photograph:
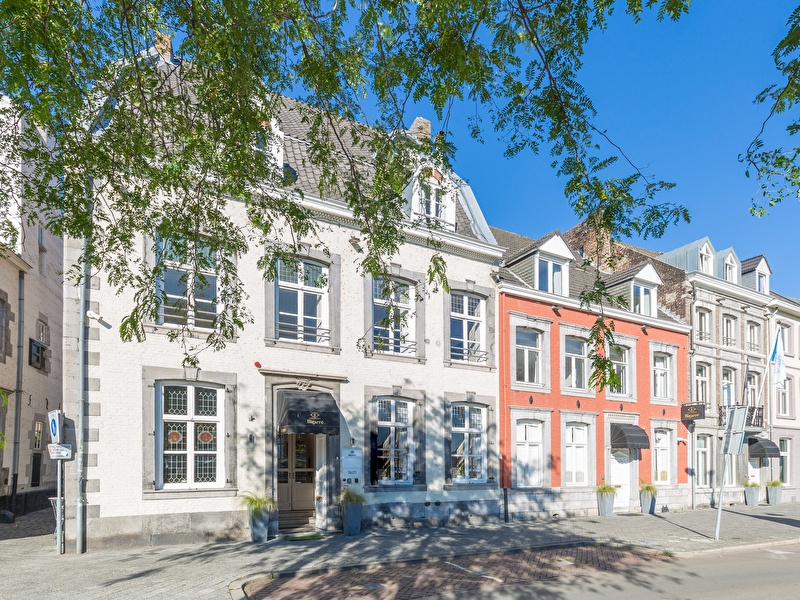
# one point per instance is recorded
(644, 299)
(703, 329)
(434, 203)
(395, 449)
(473, 446)
(551, 275)
(535, 443)
(702, 383)
(753, 336)
(171, 312)
(471, 346)
(576, 373)
(662, 376)
(730, 269)
(294, 279)
(703, 465)
(395, 299)
(762, 283)
(751, 388)
(784, 395)
(622, 366)
(192, 435)
(528, 356)
(706, 260)
(729, 330)
(787, 333)
(728, 387)
(576, 454)
(662, 454)
(784, 462)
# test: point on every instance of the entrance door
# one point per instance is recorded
(296, 471)
(620, 472)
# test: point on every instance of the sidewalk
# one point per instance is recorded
(219, 570)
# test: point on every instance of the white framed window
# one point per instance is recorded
(784, 446)
(703, 460)
(575, 363)
(43, 332)
(753, 336)
(787, 333)
(529, 457)
(730, 269)
(528, 355)
(729, 475)
(392, 316)
(620, 358)
(468, 443)
(702, 383)
(576, 454)
(467, 329)
(662, 376)
(549, 276)
(188, 298)
(301, 305)
(434, 201)
(728, 387)
(751, 388)
(784, 398)
(728, 330)
(703, 327)
(395, 441)
(189, 436)
(662, 449)
(706, 260)
(644, 300)
(762, 285)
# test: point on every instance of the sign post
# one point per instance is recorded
(732, 443)
(58, 452)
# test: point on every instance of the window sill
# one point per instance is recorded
(530, 387)
(465, 485)
(666, 401)
(192, 332)
(185, 494)
(406, 358)
(613, 398)
(578, 393)
(394, 487)
(302, 346)
(470, 366)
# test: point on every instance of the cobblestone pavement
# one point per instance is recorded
(29, 559)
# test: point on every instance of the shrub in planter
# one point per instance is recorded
(263, 515)
(647, 497)
(774, 489)
(352, 509)
(605, 499)
(750, 492)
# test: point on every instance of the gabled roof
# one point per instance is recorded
(520, 246)
(752, 263)
(644, 272)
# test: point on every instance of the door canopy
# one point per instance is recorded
(307, 412)
(624, 435)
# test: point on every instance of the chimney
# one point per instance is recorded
(163, 45)
(421, 129)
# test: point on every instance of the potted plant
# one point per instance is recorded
(750, 492)
(774, 489)
(647, 497)
(605, 499)
(263, 515)
(352, 508)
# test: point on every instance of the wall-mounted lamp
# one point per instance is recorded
(191, 373)
(356, 244)
(95, 317)
(644, 329)
(556, 308)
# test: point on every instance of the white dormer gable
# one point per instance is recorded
(644, 291)
(706, 259)
(730, 269)
(763, 272)
(433, 198)
(552, 266)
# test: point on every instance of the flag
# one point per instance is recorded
(778, 361)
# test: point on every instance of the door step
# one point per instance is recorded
(292, 520)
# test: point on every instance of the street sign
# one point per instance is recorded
(693, 412)
(60, 451)
(733, 440)
(54, 424)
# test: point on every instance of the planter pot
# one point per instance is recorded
(774, 494)
(265, 527)
(648, 502)
(351, 518)
(605, 503)
(751, 496)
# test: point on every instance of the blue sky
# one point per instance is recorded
(678, 98)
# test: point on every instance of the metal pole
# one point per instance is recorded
(719, 498)
(18, 391)
(59, 511)
(80, 438)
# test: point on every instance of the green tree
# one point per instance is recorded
(141, 147)
(776, 168)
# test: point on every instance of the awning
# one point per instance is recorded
(624, 435)
(307, 412)
(761, 448)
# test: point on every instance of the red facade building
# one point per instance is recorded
(560, 434)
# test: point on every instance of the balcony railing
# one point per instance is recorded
(755, 416)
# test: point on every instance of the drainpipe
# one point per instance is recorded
(693, 427)
(18, 391)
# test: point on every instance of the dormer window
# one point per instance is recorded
(434, 202)
(762, 283)
(730, 269)
(706, 260)
(550, 276)
(644, 300)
